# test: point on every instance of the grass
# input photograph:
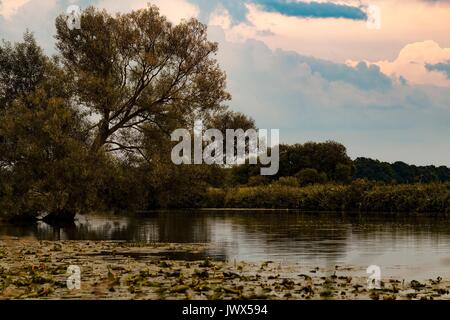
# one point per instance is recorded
(358, 196)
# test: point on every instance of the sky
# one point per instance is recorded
(371, 74)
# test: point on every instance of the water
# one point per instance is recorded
(402, 245)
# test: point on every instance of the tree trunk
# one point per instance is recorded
(99, 141)
(101, 137)
(60, 217)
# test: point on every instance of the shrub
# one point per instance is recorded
(215, 198)
(361, 195)
(408, 198)
(287, 182)
(272, 196)
(309, 176)
(258, 181)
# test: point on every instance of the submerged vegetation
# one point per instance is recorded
(116, 270)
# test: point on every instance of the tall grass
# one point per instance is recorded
(358, 196)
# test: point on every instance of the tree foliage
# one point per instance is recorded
(399, 172)
(87, 129)
(328, 159)
(44, 162)
(136, 70)
(22, 68)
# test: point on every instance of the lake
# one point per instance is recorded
(404, 246)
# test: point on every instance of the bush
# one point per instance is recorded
(287, 182)
(330, 197)
(361, 195)
(309, 176)
(215, 198)
(408, 198)
(258, 181)
(272, 196)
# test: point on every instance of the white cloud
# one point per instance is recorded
(312, 99)
(9, 7)
(411, 64)
(221, 18)
(174, 10)
(342, 39)
(37, 16)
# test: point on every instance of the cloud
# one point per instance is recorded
(437, 1)
(9, 7)
(339, 39)
(440, 67)
(238, 9)
(314, 9)
(362, 75)
(313, 99)
(332, 39)
(174, 10)
(415, 62)
(39, 15)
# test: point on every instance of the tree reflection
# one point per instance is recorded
(306, 238)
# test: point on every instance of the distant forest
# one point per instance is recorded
(318, 163)
(399, 172)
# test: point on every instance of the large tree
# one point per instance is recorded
(46, 166)
(79, 125)
(137, 69)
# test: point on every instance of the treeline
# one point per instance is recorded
(313, 177)
(399, 172)
(319, 163)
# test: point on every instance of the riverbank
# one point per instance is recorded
(117, 270)
(359, 196)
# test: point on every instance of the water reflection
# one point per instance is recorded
(409, 246)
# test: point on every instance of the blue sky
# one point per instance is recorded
(314, 69)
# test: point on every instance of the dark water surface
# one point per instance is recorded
(402, 245)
